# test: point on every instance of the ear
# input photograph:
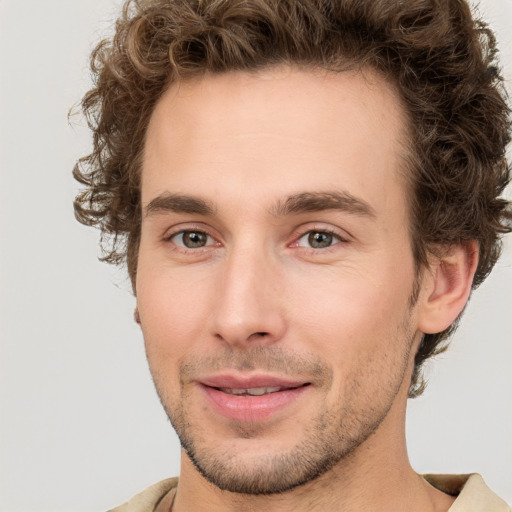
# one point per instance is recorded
(446, 287)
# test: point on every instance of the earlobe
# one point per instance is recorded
(448, 286)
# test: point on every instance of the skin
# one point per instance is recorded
(255, 297)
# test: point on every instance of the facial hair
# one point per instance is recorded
(328, 438)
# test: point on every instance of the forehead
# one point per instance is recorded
(276, 132)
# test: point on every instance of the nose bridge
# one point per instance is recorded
(248, 305)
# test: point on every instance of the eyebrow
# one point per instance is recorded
(178, 203)
(319, 201)
(293, 205)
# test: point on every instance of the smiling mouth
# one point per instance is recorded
(257, 391)
(258, 401)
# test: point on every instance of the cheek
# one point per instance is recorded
(356, 324)
(348, 310)
(363, 334)
(173, 311)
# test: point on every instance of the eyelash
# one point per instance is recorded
(297, 237)
(337, 239)
(169, 238)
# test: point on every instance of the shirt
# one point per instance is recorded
(472, 493)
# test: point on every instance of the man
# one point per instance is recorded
(305, 193)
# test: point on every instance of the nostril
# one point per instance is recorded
(261, 333)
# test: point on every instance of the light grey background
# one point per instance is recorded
(81, 428)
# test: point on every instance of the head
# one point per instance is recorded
(439, 61)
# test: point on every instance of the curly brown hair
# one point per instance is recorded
(441, 60)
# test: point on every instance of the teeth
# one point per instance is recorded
(251, 391)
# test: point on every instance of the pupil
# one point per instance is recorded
(193, 239)
(320, 240)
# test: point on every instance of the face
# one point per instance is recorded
(275, 271)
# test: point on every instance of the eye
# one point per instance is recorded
(191, 239)
(318, 239)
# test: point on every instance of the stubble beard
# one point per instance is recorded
(334, 435)
(320, 449)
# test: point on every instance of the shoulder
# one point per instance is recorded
(472, 493)
(148, 499)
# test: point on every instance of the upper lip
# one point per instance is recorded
(248, 382)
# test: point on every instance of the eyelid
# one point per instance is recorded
(181, 228)
(342, 235)
(335, 238)
(173, 237)
(301, 231)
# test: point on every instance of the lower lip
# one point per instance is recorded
(247, 408)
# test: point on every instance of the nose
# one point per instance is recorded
(249, 307)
